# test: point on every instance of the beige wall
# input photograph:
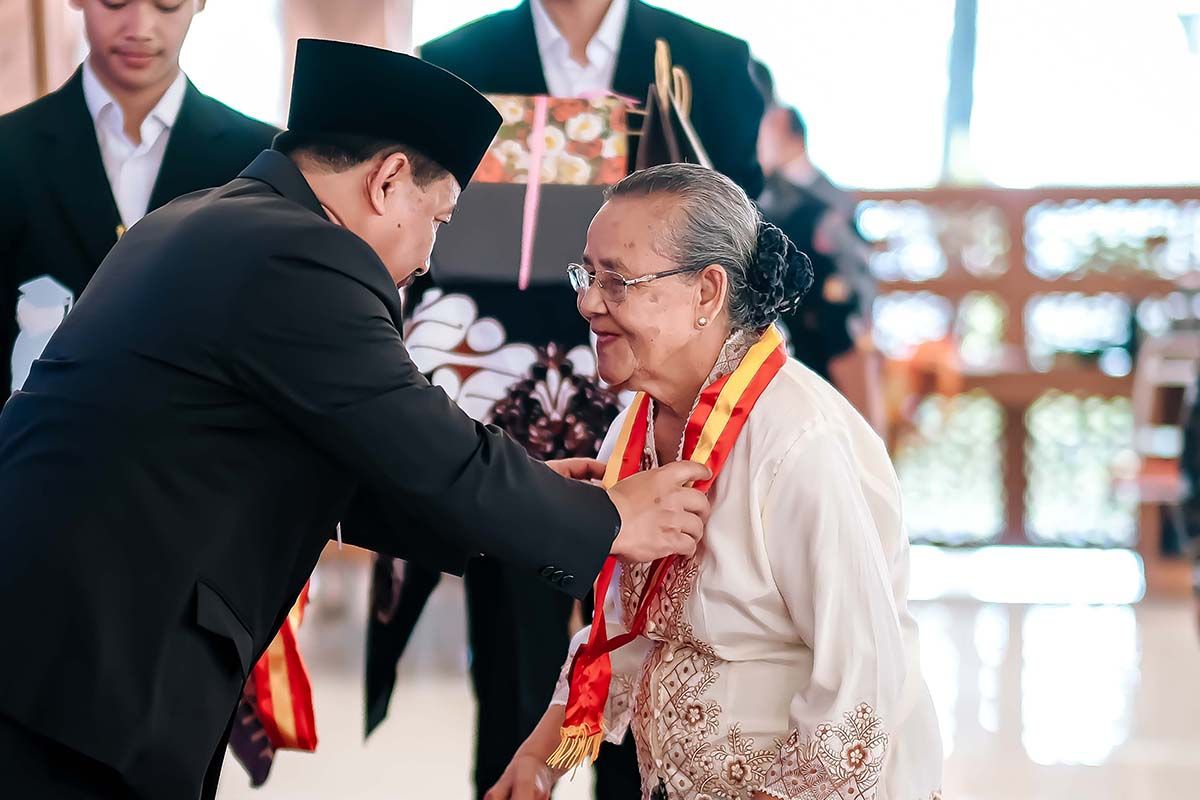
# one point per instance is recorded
(40, 43)
(41, 40)
(382, 23)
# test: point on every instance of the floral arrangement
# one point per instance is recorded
(584, 141)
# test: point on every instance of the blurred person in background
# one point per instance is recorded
(567, 48)
(830, 331)
(127, 133)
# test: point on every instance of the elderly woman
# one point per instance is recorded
(780, 661)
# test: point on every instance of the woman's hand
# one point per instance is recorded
(527, 778)
(580, 469)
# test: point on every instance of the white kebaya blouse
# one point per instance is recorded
(782, 658)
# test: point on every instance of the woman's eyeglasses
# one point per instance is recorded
(614, 286)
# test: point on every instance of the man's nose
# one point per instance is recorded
(141, 17)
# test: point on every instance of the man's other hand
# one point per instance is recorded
(580, 469)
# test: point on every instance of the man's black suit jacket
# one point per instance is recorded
(231, 386)
(499, 54)
(57, 213)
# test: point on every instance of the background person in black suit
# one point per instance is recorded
(231, 386)
(126, 134)
(568, 48)
(502, 53)
(536, 48)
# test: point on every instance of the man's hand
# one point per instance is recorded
(660, 514)
(580, 469)
(527, 778)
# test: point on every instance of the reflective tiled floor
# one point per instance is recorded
(1036, 701)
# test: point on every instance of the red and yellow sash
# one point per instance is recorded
(283, 693)
(709, 437)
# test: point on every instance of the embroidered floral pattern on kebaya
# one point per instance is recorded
(840, 761)
(677, 727)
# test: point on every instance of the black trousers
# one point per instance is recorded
(616, 768)
(387, 641)
(36, 768)
(518, 635)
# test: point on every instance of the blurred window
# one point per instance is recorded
(1086, 92)
(234, 52)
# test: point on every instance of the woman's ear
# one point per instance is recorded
(714, 285)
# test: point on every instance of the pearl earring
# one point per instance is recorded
(702, 321)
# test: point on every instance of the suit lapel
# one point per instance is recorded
(182, 169)
(635, 59)
(635, 67)
(521, 65)
(75, 171)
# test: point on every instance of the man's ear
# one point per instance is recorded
(385, 177)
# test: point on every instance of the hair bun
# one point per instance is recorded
(780, 277)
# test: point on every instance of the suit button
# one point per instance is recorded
(568, 580)
(557, 576)
(546, 571)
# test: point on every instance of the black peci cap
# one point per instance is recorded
(342, 88)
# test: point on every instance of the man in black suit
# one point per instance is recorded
(233, 385)
(126, 134)
(568, 48)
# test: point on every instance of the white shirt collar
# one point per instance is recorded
(607, 38)
(100, 102)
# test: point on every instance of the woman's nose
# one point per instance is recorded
(590, 301)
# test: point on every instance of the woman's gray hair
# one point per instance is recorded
(716, 223)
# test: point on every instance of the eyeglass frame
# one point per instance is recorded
(625, 282)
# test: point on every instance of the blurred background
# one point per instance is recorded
(1026, 179)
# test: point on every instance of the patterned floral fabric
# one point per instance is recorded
(584, 141)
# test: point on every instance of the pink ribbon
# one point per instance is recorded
(533, 189)
(533, 186)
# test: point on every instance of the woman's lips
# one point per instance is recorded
(604, 339)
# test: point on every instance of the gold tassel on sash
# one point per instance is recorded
(575, 747)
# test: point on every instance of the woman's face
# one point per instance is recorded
(637, 338)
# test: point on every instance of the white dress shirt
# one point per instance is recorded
(132, 168)
(565, 77)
